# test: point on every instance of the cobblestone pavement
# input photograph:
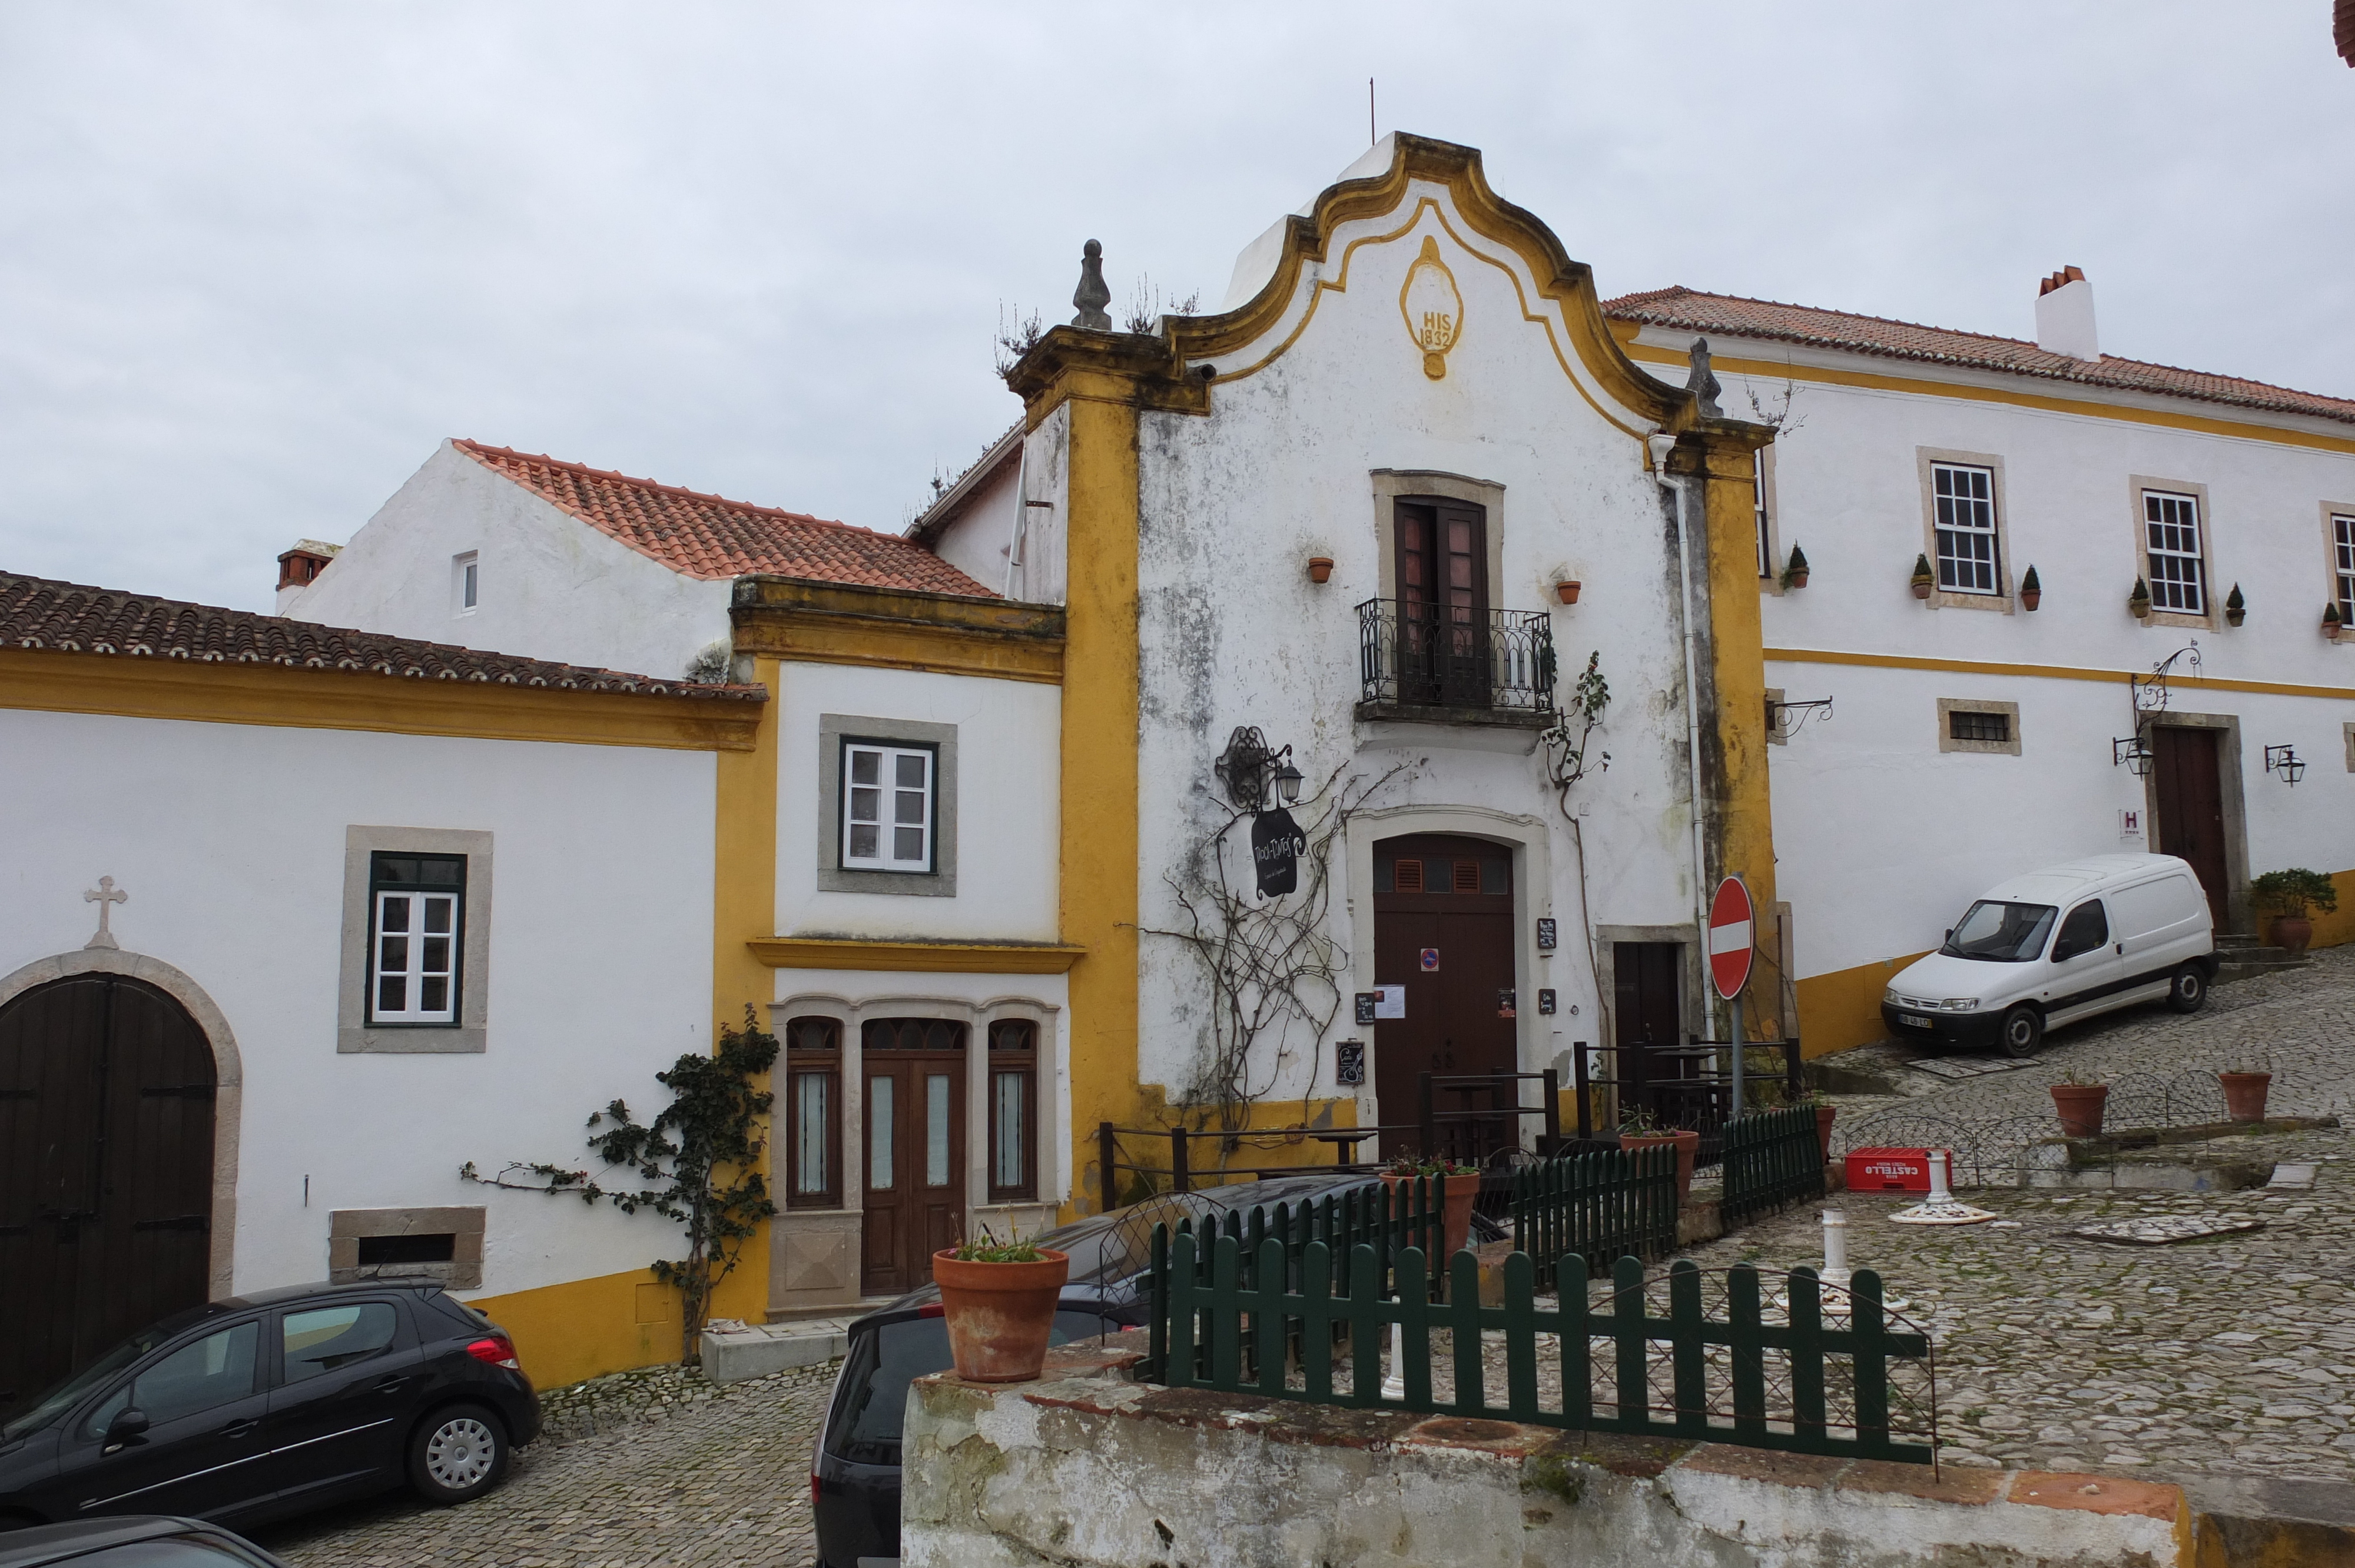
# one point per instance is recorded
(641, 1468)
(2232, 1354)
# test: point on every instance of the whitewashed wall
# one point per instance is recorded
(979, 542)
(229, 840)
(548, 585)
(1234, 632)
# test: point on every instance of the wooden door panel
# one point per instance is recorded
(2191, 803)
(1459, 903)
(914, 1203)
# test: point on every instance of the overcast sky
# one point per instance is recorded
(256, 260)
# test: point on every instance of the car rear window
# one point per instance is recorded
(870, 1402)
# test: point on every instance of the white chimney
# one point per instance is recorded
(2065, 315)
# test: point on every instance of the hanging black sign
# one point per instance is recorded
(1277, 844)
(1350, 1062)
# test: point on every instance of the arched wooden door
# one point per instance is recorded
(106, 1171)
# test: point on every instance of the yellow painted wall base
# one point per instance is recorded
(2331, 930)
(1842, 1010)
(587, 1328)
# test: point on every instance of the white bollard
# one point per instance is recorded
(1941, 1209)
(1395, 1382)
(1836, 1271)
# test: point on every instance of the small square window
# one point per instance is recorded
(887, 806)
(465, 582)
(417, 911)
(1964, 724)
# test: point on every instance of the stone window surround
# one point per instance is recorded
(1391, 485)
(1946, 598)
(2330, 510)
(1947, 741)
(464, 1223)
(850, 1103)
(2347, 733)
(833, 729)
(354, 1033)
(2212, 594)
(1778, 732)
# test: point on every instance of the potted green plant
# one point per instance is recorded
(2031, 590)
(998, 1298)
(1794, 569)
(2236, 608)
(2138, 601)
(2245, 1092)
(1639, 1128)
(1924, 579)
(2289, 894)
(2079, 1103)
(1457, 1185)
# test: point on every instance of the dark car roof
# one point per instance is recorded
(45, 1544)
(284, 1294)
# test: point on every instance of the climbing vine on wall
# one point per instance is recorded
(1271, 963)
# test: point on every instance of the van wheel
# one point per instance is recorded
(2023, 1032)
(2189, 990)
(456, 1454)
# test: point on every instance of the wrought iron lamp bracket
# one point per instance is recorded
(1778, 714)
(2285, 761)
(1251, 769)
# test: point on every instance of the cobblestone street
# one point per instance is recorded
(660, 1468)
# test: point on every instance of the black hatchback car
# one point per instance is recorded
(135, 1542)
(854, 1469)
(269, 1404)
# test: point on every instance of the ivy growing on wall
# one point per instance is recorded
(697, 1164)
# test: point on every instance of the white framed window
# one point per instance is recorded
(1963, 499)
(2342, 561)
(465, 582)
(1758, 509)
(887, 806)
(417, 910)
(2171, 541)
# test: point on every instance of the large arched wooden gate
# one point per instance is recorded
(106, 1164)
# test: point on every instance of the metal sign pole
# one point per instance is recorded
(1734, 1001)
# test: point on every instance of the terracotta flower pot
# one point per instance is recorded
(1798, 580)
(1688, 1148)
(2079, 1106)
(1824, 1114)
(1456, 1210)
(1320, 568)
(2030, 598)
(1567, 590)
(1920, 589)
(2292, 932)
(1000, 1314)
(2244, 1094)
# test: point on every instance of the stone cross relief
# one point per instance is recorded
(105, 894)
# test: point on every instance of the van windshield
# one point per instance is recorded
(2002, 933)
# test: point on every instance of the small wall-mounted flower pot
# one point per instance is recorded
(1921, 588)
(2332, 625)
(2079, 1106)
(2139, 609)
(1320, 568)
(2234, 617)
(1566, 591)
(2030, 598)
(1795, 579)
(2244, 1094)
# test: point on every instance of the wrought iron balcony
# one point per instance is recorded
(1440, 661)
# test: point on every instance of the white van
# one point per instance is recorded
(2056, 946)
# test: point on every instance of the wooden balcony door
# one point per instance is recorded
(1444, 650)
(914, 1071)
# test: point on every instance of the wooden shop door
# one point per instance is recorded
(2191, 803)
(914, 1070)
(1443, 930)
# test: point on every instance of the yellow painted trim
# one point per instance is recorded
(926, 957)
(299, 698)
(1841, 1009)
(2246, 430)
(2044, 671)
(744, 904)
(1745, 825)
(587, 1328)
(832, 623)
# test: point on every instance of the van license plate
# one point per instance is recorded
(1913, 1022)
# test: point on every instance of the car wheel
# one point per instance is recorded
(456, 1454)
(2023, 1032)
(2190, 989)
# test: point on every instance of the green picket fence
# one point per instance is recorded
(1381, 1221)
(1599, 1207)
(1656, 1357)
(1771, 1159)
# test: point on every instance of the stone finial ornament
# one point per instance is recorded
(1091, 296)
(1703, 383)
(105, 895)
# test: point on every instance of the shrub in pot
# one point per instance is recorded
(2289, 895)
(1796, 569)
(1638, 1128)
(1454, 1185)
(2031, 590)
(1924, 579)
(998, 1298)
(2245, 1092)
(2079, 1105)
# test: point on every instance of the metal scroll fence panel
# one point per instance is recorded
(1771, 1159)
(1435, 655)
(1599, 1207)
(1698, 1356)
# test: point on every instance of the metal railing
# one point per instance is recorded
(1440, 656)
(1690, 1087)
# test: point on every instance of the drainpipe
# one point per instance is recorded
(1661, 445)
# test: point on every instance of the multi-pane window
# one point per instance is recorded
(1964, 501)
(2178, 578)
(2343, 564)
(417, 908)
(1965, 724)
(1013, 1110)
(887, 806)
(1758, 507)
(812, 1113)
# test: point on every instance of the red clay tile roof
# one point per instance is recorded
(68, 618)
(706, 536)
(1733, 316)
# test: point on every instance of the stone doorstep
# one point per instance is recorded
(759, 1349)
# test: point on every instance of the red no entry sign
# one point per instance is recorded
(1728, 937)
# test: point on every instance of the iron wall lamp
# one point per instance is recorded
(1252, 771)
(2133, 754)
(2284, 760)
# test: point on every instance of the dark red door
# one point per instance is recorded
(914, 1174)
(2191, 791)
(106, 1166)
(1443, 930)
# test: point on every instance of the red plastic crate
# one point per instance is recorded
(1889, 1170)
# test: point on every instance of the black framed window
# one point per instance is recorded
(1013, 1110)
(1968, 561)
(1965, 724)
(417, 913)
